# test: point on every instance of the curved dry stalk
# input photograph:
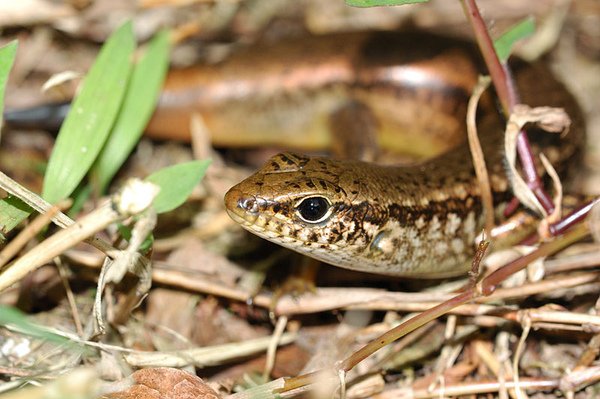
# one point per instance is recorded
(508, 96)
(116, 209)
(33, 228)
(477, 153)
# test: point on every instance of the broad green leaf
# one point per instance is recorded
(521, 30)
(92, 114)
(12, 212)
(7, 57)
(377, 3)
(176, 183)
(144, 87)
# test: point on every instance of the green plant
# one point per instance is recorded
(105, 122)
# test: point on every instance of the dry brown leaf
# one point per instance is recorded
(554, 120)
(164, 383)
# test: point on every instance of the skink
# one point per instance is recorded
(418, 221)
(406, 221)
(283, 94)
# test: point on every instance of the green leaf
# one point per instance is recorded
(126, 233)
(12, 316)
(12, 212)
(521, 30)
(176, 183)
(378, 3)
(7, 58)
(142, 94)
(80, 195)
(92, 114)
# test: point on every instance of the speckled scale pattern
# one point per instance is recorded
(418, 221)
(385, 219)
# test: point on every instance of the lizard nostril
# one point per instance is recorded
(248, 204)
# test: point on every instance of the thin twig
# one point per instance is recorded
(42, 206)
(53, 246)
(272, 348)
(25, 235)
(70, 297)
(470, 388)
(485, 288)
(508, 96)
(332, 298)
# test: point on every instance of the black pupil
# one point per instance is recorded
(313, 208)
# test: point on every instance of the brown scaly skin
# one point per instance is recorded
(283, 94)
(418, 221)
(401, 221)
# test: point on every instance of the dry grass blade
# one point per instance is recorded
(16, 244)
(122, 205)
(477, 153)
(271, 350)
(82, 382)
(57, 244)
(553, 120)
(40, 205)
(211, 295)
(263, 391)
(580, 378)
(203, 357)
(464, 389)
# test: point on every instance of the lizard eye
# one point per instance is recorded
(314, 209)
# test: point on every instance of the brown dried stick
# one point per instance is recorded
(508, 96)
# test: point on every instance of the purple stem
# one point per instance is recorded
(509, 97)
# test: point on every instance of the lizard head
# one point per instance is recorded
(303, 203)
(290, 196)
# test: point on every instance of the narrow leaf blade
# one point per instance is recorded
(176, 183)
(92, 114)
(12, 212)
(505, 43)
(7, 58)
(142, 94)
(14, 317)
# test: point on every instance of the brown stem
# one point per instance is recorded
(508, 96)
(488, 285)
(486, 46)
(565, 223)
(530, 172)
(574, 217)
(404, 328)
(477, 258)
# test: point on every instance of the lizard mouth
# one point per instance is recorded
(261, 226)
(246, 210)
